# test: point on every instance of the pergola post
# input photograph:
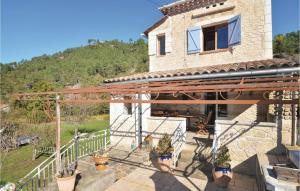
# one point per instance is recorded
(139, 133)
(294, 130)
(217, 107)
(57, 140)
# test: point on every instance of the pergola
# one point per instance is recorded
(115, 91)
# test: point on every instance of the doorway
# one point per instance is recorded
(222, 109)
(211, 107)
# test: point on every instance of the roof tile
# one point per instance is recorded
(251, 65)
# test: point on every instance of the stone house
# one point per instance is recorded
(209, 39)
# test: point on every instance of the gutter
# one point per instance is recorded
(216, 75)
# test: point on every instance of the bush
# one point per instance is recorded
(164, 146)
(223, 157)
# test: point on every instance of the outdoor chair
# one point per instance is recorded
(202, 125)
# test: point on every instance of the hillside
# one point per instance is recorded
(87, 65)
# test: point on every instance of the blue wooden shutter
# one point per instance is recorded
(193, 40)
(234, 31)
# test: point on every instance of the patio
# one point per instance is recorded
(153, 180)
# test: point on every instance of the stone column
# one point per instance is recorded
(283, 115)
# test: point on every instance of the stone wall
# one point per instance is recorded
(246, 139)
(256, 36)
(282, 114)
(247, 133)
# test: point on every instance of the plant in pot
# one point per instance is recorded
(148, 142)
(164, 151)
(66, 179)
(222, 173)
(100, 158)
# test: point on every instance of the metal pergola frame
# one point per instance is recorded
(250, 84)
(262, 84)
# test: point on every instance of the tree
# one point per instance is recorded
(287, 44)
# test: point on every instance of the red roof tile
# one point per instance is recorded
(233, 67)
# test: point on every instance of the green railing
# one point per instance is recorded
(44, 174)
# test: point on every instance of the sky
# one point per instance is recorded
(32, 28)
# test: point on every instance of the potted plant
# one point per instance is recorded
(148, 142)
(222, 173)
(100, 158)
(66, 179)
(164, 150)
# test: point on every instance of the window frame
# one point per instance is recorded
(216, 27)
(158, 51)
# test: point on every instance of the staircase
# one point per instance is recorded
(121, 163)
(195, 157)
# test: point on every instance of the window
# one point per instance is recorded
(161, 44)
(215, 37)
(222, 36)
(127, 106)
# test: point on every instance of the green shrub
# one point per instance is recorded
(223, 157)
(164, 146)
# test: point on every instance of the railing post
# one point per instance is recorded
(58, 160)
(105, 134)
(39, 178)
(76, 147)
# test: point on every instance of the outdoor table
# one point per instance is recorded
(188, 119)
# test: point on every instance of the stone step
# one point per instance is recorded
(88, 178)
(136, 157)
(193, 171)
(193, 137)
(187, 155)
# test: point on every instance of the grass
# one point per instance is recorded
(18, 163)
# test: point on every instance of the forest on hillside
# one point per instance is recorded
(86, 65)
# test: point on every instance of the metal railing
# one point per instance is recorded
(178, 141)
(44, 174)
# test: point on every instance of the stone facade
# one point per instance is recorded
(248, 134)
(245, 139)
(256, 39)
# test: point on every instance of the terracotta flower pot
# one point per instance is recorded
(66, 183)
(165, 163)
(222, 176)
(100, 162)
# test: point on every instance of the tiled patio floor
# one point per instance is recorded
(143, 179)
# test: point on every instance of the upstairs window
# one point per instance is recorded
(215, 37)
(161, 44)
(222, 36)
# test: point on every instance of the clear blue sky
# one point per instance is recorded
(34, 27)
